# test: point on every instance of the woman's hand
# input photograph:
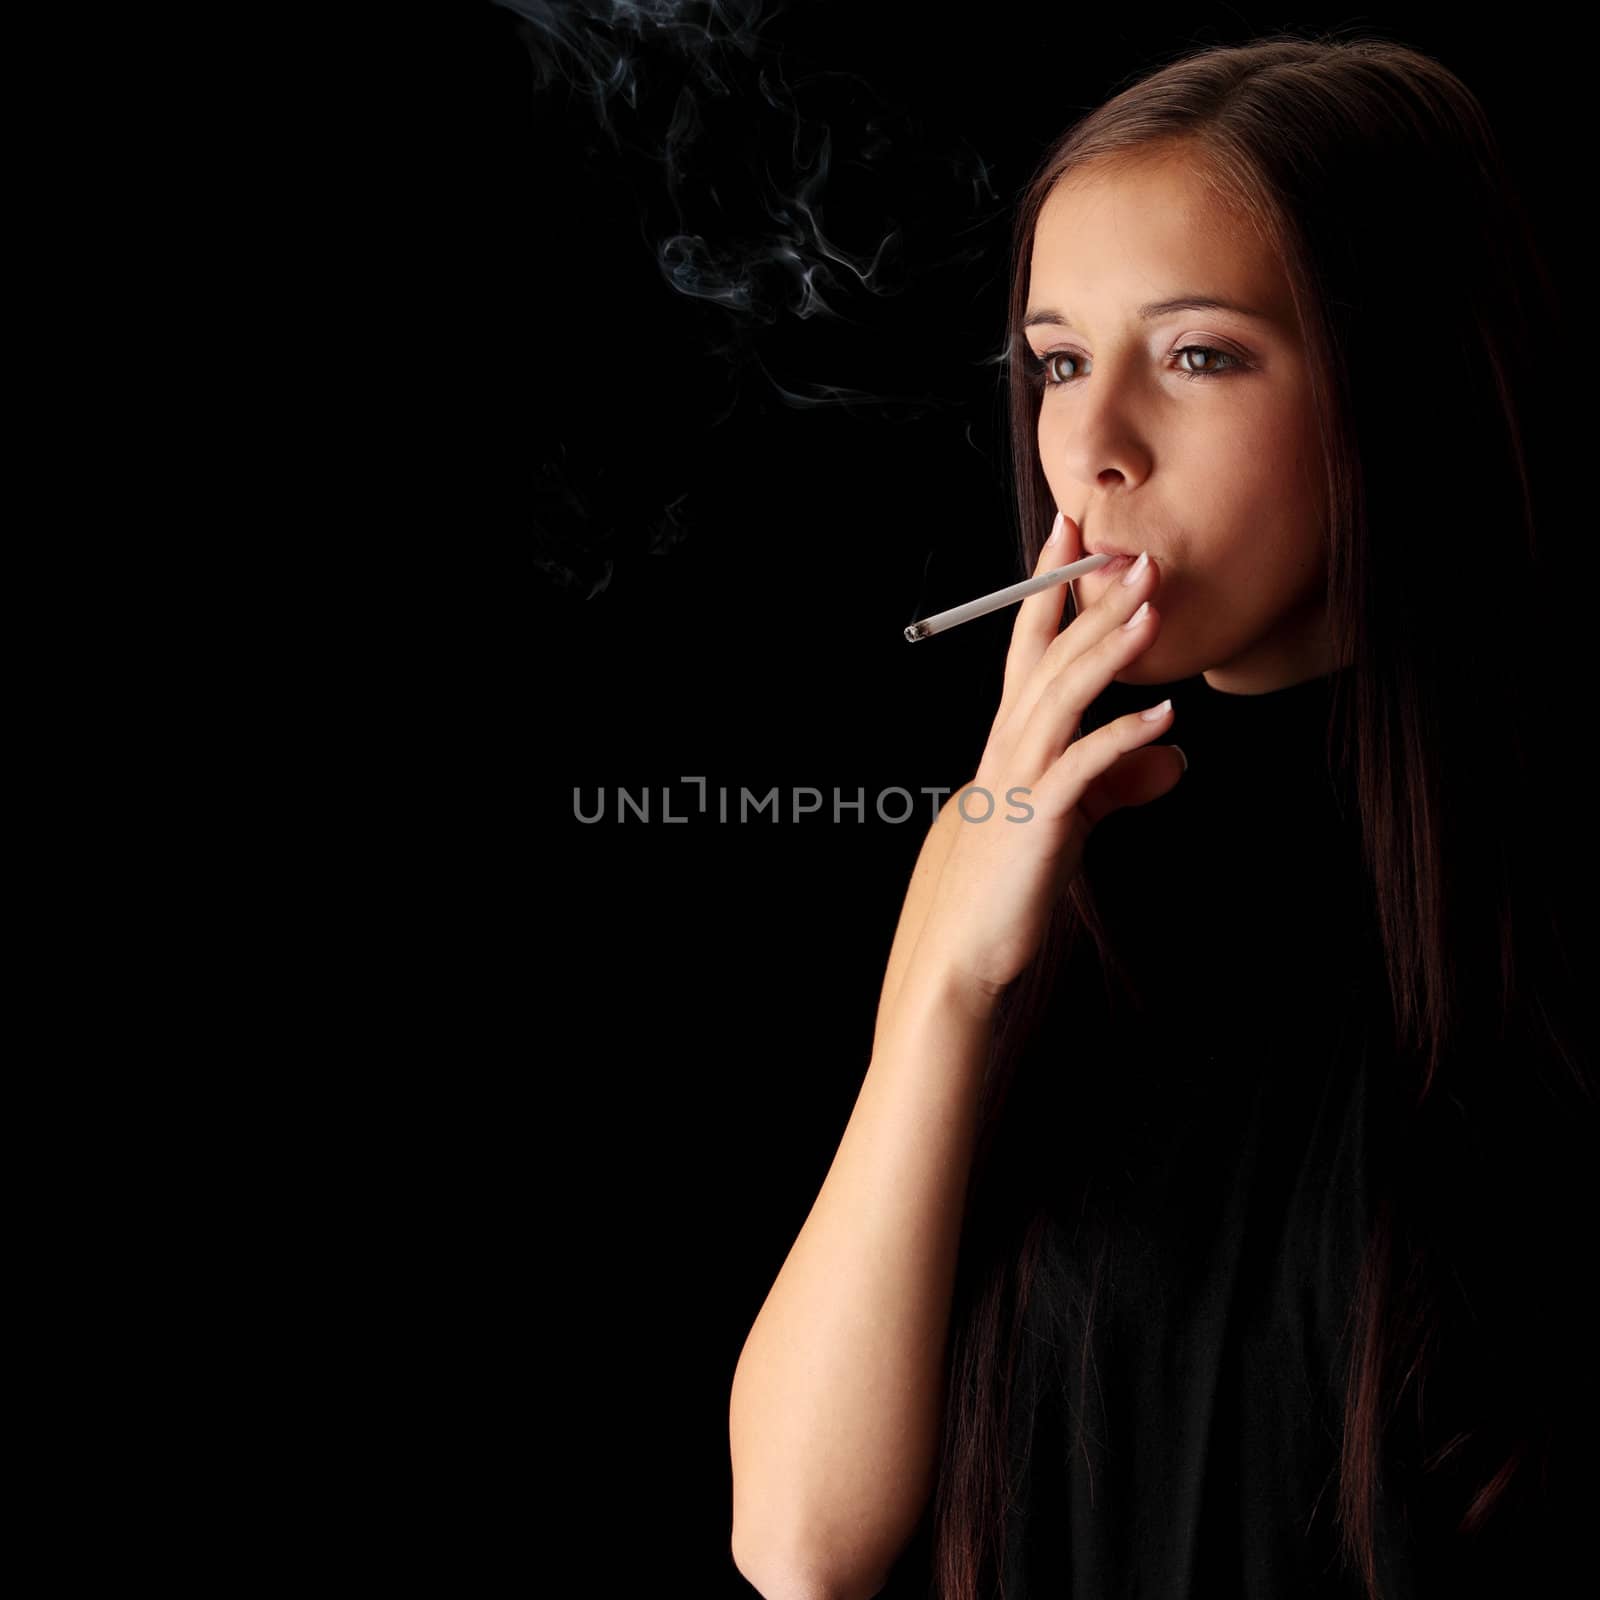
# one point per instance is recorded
(1007, 854)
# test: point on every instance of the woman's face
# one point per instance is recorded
(1215, 473)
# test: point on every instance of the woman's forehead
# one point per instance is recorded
(1123, 244)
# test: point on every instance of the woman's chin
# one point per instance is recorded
(1144, 670)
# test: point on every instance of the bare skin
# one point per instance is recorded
(1216, 474)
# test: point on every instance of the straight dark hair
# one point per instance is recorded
(1427, 314)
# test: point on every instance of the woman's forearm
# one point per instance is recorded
(837, 1399)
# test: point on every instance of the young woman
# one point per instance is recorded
(1215, 1212)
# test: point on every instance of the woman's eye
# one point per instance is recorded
(1210, 370)
(1045, 363)
(1042, 369)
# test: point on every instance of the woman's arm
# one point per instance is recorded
(914, 910)
(837, 1400)
(837, 1403)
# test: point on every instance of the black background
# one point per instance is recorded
(735, 507)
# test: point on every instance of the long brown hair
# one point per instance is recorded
(1426, 311)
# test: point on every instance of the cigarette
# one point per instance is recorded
(1004, 597)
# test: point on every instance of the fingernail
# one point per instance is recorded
(1055, 528)
(1182, 757)
(1136, 571)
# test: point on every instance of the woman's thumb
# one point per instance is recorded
(1135, 779)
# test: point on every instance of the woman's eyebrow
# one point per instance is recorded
(1159, 308)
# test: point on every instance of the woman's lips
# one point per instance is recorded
(1118, 564)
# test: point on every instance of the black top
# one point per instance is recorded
(1227, 1144)
(1220, 1131)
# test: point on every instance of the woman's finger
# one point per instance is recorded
(1038, 618)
